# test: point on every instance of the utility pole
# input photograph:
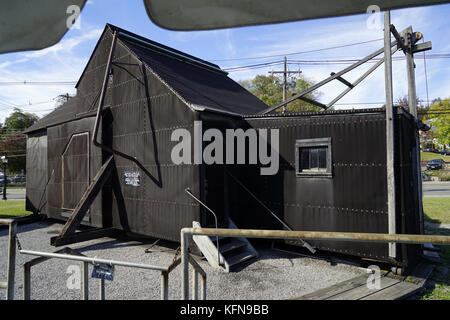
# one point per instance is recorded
(392, 227)
(285, 73)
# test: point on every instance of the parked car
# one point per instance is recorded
(445, 152)
(8, 180)
(435, 164)
(19, 178)
(431, 150)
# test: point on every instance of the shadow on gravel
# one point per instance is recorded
(23, 228)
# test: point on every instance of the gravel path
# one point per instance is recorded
(274, 275)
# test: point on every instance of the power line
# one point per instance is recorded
(39, 83)
(321, 62)
(299, 52)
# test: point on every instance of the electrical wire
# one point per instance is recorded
(38, 83)
(295, 53)
(321, 62)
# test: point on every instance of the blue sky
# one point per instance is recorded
(65, 61)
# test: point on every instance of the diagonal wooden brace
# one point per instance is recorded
(86, 200)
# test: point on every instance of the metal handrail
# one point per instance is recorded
(69, 254)
(189, 192)
(307, 235)
(9, 284)
(86, 261)
(197, 269)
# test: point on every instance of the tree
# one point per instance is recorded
(63, 98)
(439, 116)
(13, 142)
(266, 89)
(19, 120)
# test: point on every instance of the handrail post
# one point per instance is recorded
(164, 285)
(184, 265)
(11, 260)
(102, 289)
(203, 286)
(26, 289)
(194, 283)
(85, 280)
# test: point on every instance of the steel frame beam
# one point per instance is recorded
(327, 80)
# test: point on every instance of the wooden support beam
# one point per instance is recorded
(331, 78)
(347, 83)
(399, 38)
(88, 197)
(314, 102)
(421, 47)
(85, 236)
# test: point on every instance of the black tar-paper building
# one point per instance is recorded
(152, 90)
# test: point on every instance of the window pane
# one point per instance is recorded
(323, 158)
(314, 159)
(304, 159)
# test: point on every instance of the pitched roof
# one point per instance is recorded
(201, 84)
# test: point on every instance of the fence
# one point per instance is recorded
(69, 254)
(9, 284)
(304, 235)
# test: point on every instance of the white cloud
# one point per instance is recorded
(56, 63)
(66, 45)
(310, 35)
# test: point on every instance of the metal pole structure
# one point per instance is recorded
(194, 284)
(203, 283)
(164, 285)
(324, 82)
(26, 288)
(185, 265)
(85, 281)
(358, 81)
(11, 260)
(4, 178)
(392, 228)
(93, 260)
(412, 104)
(285, 73)
(189, 192)
(285, 84)
(318, 235)
(102, 289)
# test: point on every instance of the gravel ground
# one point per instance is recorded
(274, 275)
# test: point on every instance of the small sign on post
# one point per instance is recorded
(103, 271)
(132, 178)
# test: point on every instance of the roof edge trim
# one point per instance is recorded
(171, 52)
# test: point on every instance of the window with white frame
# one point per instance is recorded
(313, 158)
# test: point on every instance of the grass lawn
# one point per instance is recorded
(427, 156)
(12, 208)
(440, 277)
(438, 210)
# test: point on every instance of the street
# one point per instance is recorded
(436, 189)
(431, 189)
(14, 194)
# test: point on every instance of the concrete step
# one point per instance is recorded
(240, 258)
(232, 245)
